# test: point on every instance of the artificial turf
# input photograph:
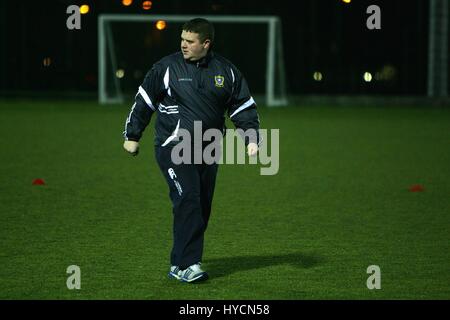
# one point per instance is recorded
(339, 203)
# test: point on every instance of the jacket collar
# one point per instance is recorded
(203, 62)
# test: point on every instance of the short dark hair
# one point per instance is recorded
(203, 27)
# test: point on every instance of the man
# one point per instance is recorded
(195, 84)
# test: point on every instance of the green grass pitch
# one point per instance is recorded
(339, 203)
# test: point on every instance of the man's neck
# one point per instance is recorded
(203, 61)
(200, 58)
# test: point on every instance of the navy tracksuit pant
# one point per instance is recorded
(191, 189)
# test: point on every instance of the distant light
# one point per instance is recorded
(84, 9)
(367, 77)
(160, 25)
(127, 3)
(120, 73)
(47, 62)
(346, 1)
(318, 76)
(146, 5)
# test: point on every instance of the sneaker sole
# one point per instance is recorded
(201, 277)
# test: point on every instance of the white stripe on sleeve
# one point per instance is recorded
(128, 121)
(166, 82)
(146, 98)
(247, 104)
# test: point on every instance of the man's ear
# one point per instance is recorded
(207, 44)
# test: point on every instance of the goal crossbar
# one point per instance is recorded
(274, 47)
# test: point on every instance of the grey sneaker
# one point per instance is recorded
(175, 272)
(193, 274)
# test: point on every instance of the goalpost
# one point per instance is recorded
(110, 73)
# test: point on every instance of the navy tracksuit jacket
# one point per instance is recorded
(182, 92)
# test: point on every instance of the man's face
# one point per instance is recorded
(191, 47)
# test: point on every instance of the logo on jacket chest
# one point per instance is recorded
(219, 81)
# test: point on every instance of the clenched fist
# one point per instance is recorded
(131, 147)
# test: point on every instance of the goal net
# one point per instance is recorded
(128, 45)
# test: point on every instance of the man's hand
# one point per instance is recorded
(252, 149)
(131, 147)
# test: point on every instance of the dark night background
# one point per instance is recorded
(325, 35)
(362, 177)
